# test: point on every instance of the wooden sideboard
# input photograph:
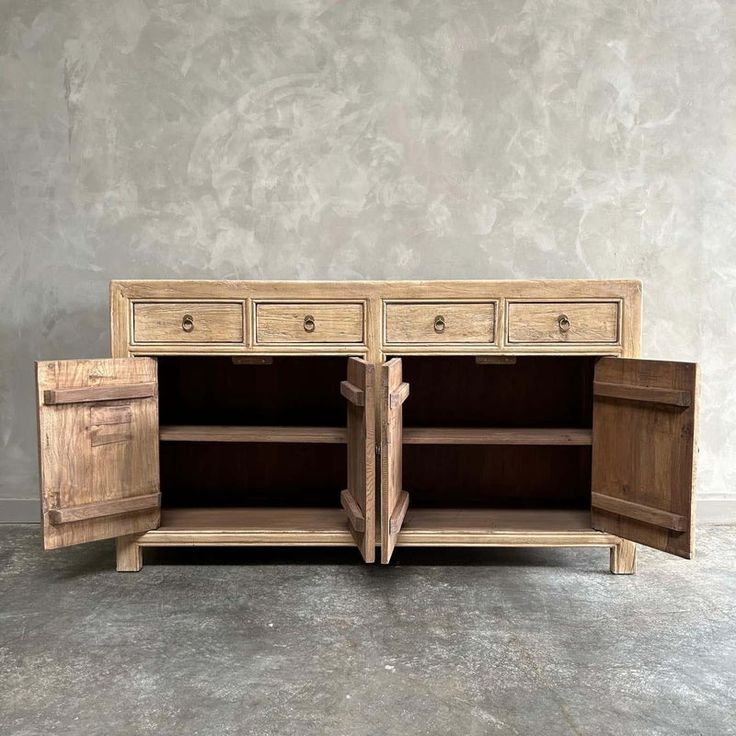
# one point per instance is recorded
(370, 414)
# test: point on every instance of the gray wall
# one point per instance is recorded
(315, 139)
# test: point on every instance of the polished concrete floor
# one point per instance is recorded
(312, 642)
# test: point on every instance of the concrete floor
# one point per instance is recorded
(311, 642)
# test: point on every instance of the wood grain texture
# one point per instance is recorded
(292, 435)
(623, 558)
(129, 555)
(352, 393)
(250, 526)
(399, 396)
(461, 323)
(501, 528)
(163, 322)
(105, 508)
(373, 294)
(361, 447)
(494, 436)
(398, 514)
(643, 456)
(391, 454)
(121, 321)
(75, 471)
(640, 512)
(356, 519)
(651, 394)
(91, 394)
(539, 322)
(309, 322)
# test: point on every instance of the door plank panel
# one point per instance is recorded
(98, 449)
(394, 500)
(644, 452)
(359, 500)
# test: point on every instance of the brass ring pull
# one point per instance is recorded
(309, 323)
(439, 324)
(563, 322)
(187, 323)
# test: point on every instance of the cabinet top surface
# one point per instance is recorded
(385, 282)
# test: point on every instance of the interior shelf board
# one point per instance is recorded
(222, 433)
(501, 527)
(254, 526)
(495, 436)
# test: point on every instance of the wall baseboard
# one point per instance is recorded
(20, 511)
(710, 510)
(716, 509)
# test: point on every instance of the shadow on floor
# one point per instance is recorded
(434, 557)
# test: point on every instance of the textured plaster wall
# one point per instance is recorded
(315, 139)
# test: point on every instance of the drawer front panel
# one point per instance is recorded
(188, 322)
(309, 322)
(563, 322)
(459, 323)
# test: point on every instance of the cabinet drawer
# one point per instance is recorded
(567, 322)
(307, 322)
(188, 322)
(462, 323)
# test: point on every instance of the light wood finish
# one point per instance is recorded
(373, 294)
(293, 435)
(356, 519)
(623, 558)
(309, 322)
(80, 475)
(352, 393)
(494, 436)
(279, 526)
(361, 426)
(650, 394)
(105, 508)
(398, 514)
(392, 496)
(640, 512)
(399, 396)
(563, 322)
(91, 394)
(501, 528)
(188, 322)
(282, 527)
(129, 554)
(643, 456)
(440, 322)
(111, 423)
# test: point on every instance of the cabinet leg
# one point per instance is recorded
(129, 554)
(623, 558)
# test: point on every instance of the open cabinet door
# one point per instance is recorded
(359, 498)
(98, 449)
(644, 415)
(394, 499)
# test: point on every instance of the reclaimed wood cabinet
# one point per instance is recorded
(370, 414)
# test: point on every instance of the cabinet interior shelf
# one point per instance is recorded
(412, 435)
(327, 526)
(216, 433)
(495, 436)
